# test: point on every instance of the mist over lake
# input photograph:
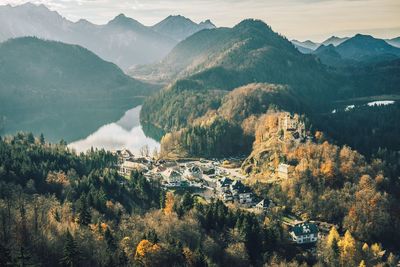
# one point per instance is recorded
(125, 133)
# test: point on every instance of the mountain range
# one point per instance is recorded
(203, 68)
(61, 90)
(308, 46)
(360, 48)
(123, 41)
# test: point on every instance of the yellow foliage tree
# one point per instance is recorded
(365, 248)
(169, 203)
(376, 249)
(189, 257)
(145, 252)
(362, 264)
(347, 248)
(333, 235)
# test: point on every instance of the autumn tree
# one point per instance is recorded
(368, 217)
(331, 249)
(348, 249)
(146, 253)
(169, 203)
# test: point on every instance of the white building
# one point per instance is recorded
(246, 198)
(264, 204)
(304, 233)
(128, 166)
(172, 176)
(284, 170)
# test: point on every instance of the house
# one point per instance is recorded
(236, 187)
(208, 170)
(124, 155)
(223, 184)
(172, 176)
(128, 166)
(264, 204)
(245, 197)
(303, 233)
(193, 173)
(227, 196)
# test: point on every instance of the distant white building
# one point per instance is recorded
(264, 204)
(284, 170)
(304, 233)
(227, 196)
(128, 166)
(172, 176)
(246, 198)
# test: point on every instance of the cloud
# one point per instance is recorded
(301, 19)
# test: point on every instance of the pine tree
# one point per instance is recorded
(162, 200)
(5, 256)
(84, 216)
(110, 240)
(24, 258)
(30, 138)
(187, 202)
(41, 139)
(71, 253)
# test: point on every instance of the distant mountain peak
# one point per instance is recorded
(253, 24)
(334, 40)
(84, 22)
(180, 27)
(29, 6)
(208, 24)
(122, 20)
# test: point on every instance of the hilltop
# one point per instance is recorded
(210, 63)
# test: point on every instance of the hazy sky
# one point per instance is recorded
(300, 19)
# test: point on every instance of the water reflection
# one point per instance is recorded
(125, 133)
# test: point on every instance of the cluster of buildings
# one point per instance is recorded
(202, 174)
(230, 190)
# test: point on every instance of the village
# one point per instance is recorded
(224, 179)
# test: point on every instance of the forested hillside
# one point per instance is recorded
(61, 209)
(61, 90)
(229, 58)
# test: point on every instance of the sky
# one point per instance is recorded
(296, 19)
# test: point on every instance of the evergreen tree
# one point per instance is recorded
(84, 216)
(110, 240)
(162, 200)
(71, 252)
(187, 202)
(41, 139)
(5, 256)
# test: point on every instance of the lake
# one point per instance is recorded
(127, 133)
